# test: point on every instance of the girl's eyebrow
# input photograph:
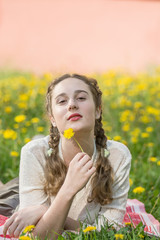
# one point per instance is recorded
(76, 92)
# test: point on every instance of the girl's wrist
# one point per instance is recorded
(68, 192)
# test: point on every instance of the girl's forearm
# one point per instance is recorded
(54, 219)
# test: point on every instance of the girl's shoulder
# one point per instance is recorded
(111, 144)
(37, 144)
(119, 154)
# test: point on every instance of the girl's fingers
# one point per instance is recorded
(84, 160)
(91, 171)
(87, 166)
(12, 228)
(7, 224)
(18, 230)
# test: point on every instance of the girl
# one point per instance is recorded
(65, 180)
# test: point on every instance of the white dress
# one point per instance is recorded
(31, 183)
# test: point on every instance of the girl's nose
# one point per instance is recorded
(72, 104)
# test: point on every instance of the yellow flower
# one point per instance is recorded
(89, 228)
(149, 129)
(35, 120)
(144, 135)
(128, 223)
(40, 129)
(134, 139)
(126, 127)
(28, 228)
(23, 97)
(158, 163)
(141, 236)
(8, 109)
(20, 118)
(150, 144)
(24, 238)
(9, 134)
(153, 159)
(23, 130)
(22, 105)
(16, 125)
(14, 154)
(69, 133)
(117, 138)
(26, 140)
(119, 236)
(138, 190)
(130, 181)
(28, 123)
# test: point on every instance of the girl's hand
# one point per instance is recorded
(22, 218)
(80, 170)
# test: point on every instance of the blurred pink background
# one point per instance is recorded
(79, 36)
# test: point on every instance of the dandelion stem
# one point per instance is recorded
(78, 144)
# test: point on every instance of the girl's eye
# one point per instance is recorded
(81, 98)
(62, 101)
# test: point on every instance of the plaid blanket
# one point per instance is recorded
(135, 213)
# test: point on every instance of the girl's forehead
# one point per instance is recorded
(69, 85)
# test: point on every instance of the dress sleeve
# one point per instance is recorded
(31, 177)
(120, 159)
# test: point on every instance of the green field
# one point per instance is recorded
(131, 114)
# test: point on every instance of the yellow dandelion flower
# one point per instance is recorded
(141, 236)
(153, 159)
(20, 118)
(23, 130)
(9, 134)
(16, 125)
(150, 144)
(149, 129)
(28, 228)
(23, 97)
(130, 182)
(24, 238)
(40, 129)
(138, 190)
(14, 154)
(158, 163)
(8, 109)
(137, 105)
(134, 139)
(126, 127)
(117, 138)
(35, 120)
(69, 133)
(128, 223)
(28, 123)
(89, 228)
(144, 135)
(22, 105)
(26, 140)
(119, 236)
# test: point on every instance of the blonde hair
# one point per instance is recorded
(55, 169)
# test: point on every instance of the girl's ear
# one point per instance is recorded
(52, 121)
(98, 112)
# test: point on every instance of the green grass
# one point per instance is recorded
(131, 114)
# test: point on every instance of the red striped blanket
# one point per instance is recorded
(135, 213)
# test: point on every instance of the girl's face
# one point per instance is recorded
(73, 106)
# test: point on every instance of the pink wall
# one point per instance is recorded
(81, 36)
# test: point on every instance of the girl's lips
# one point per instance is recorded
(75, 118)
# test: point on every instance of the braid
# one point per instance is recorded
(55, 170)
(102, 181)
